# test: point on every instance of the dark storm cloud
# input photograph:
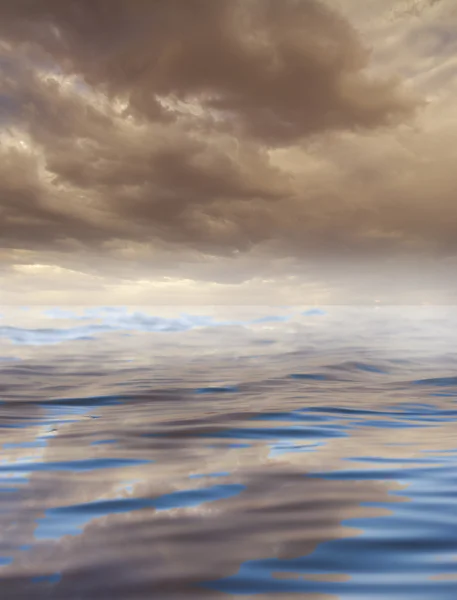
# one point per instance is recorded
(139, 128)
(33, 216)
(279, 70)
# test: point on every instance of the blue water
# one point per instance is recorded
(73, 465)
(313, 453)
(394, 556)
(70, 520)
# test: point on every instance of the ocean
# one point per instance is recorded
(228, 452)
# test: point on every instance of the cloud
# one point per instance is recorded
(230, 142)
(278, 71)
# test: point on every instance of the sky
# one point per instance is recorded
(241, 152)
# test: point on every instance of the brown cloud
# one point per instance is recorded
(276, 70)
(142, 136)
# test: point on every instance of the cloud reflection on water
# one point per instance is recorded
(340, 486)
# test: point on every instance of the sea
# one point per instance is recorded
(217, 452)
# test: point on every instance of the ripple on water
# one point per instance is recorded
(400, 555)
(228, 389)
(347, 461)
(71, 520)
(438, 381)
(92, 464)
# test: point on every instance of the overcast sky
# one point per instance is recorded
(228, 151)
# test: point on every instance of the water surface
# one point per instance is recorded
(309, 453)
